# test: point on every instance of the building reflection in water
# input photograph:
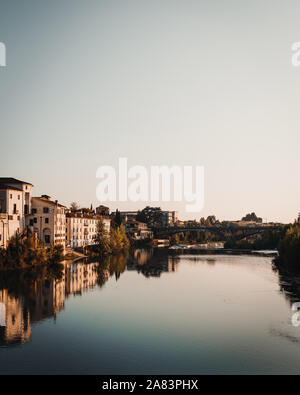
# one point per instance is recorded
(289, 286)
(30, 297)
(152, 262)
(14, 320)
(25, 300)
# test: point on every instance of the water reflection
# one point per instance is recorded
(27, 297)
(289, 286)
(152, 262)
(30, 297)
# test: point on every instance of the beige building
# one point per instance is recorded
(48, 220)
(15, 204)
(138, 230)
(81, 228)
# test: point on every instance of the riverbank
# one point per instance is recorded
(220, 251)
(25, 252)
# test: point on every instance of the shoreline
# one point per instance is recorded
(220, 251)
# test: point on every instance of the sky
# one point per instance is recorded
(173, 82)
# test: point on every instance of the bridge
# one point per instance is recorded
(241, 231)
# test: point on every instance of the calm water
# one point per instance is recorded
(150, 313)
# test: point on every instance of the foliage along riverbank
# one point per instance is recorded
(268, 240)
(27, 252)
(286, 240)
(113, 242)
(289, 250)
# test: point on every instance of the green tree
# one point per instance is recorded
(102, 239)
(289, 249)
(152, 216)
(118, 239)
(252, 217)
(117, 220)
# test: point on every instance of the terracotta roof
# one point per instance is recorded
(87, 216)
(11, 180)
(48, 201)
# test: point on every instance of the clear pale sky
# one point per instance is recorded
(168, 82)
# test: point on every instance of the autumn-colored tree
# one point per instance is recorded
(118, 239)
(102, 239)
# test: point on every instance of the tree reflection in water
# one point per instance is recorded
(289, 285)
(30, 296)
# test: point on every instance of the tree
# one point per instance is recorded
(289, 249)
(74, 206)
(25, 251)
(117, 220)
(152, 216)
(102, 239)
(118, 239)
(211, 220)
(252, 217)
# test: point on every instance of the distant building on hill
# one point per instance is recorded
(102, 210)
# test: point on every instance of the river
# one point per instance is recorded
(150, 313)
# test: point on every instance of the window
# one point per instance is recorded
(34, 211)
(18, 197)
(25, 209)
(35, 220)
(15, 209)
(46, 220)
(31, 222)
(10, 196)
(46, 210)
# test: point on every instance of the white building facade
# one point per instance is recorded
(15, 205)
(81, 229)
